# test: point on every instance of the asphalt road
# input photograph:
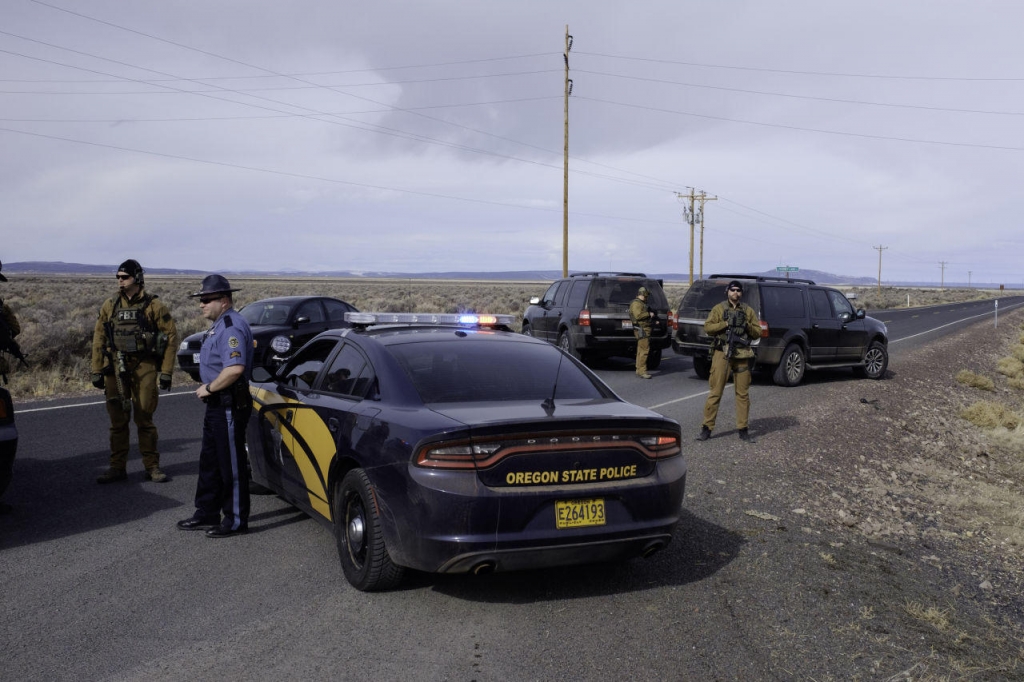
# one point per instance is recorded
(96, 582)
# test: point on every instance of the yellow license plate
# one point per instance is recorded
(579, 513)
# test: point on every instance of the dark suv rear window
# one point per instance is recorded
(617, 293)
(783, 302)
(705, 295)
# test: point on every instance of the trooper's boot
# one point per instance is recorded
(746, 437)
(112, 474)
(154, 474)
(704, 434)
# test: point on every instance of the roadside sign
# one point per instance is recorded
(786, 268)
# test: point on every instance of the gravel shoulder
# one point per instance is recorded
(883, 533)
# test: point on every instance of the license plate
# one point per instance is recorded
(579, 513)
(626, 324)
(195, 358)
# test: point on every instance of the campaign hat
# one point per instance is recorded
(214, 284)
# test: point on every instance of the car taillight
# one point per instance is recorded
(584, 318)
(673, 325)
(764, 329)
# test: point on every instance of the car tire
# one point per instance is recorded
(702, 367)
(527, 329)
(790, 371)
(876, 361)
(364, 558)
(567, 346)
(654, 359)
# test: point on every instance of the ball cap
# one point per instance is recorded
(214, 284)
(735, 284)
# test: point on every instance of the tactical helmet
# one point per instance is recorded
(132, 268)
(642, 291)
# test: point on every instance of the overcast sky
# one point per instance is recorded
(428, 136)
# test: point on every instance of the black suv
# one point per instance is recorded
(587, 315)
(803, 326)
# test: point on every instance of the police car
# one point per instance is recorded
(450, 444)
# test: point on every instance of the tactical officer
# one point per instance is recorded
(642, 317)
(9, 328)
(732, 325)
(225, 364)
(133, 349)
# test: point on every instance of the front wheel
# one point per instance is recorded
(527, 330)
(790, 371)
(654, 359)
(702, 367)
(357, 529)
(876, 360)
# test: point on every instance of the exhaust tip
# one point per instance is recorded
(483, 568)
(652, 549)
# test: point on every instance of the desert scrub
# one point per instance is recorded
(969, 378)
(990, 415)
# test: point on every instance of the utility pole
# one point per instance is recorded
(565, 172)
(880, 249)
(689, 215)
(968, 279)
(942, 281)
(703, 198)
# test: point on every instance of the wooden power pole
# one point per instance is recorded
(880, 249)
(565, 172)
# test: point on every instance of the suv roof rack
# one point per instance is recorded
(763, 278)
(607, 274)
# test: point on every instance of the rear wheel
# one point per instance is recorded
(357, 529)
(702, 367)
(790, 371)
(654, 359)
(876, 360)
(566, 344)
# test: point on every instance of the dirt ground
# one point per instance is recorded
(915, 512)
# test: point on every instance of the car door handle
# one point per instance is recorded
(333, 425)
(288, 416)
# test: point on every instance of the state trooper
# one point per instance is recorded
(732, 325)
(133, 350)
(225, 365)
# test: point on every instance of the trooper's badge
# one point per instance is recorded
(233, 341)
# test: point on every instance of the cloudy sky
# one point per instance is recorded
(429, 136)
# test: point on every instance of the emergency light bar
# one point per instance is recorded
(438, 319)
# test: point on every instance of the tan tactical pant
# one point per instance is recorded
(720, 368)
(643, 348)
(140, 386)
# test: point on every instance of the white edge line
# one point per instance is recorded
(97, 402)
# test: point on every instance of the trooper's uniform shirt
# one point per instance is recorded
(223, 485)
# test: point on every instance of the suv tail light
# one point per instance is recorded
(584, 318)
(672, 324)
(764, 329)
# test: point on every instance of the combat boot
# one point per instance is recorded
(111, 475)
(704, 434)
(154, 474)
(746, 437)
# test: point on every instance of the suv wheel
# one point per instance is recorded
(566, 344)
(790, 371)
(702, 367)
(527, 330)
(654, 359)
(876, 360)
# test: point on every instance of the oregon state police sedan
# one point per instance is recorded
(450, 444)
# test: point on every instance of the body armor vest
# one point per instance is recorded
(133, 332)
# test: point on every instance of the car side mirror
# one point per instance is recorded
(845, 317)
(301, 319)
(535, 300)
(861, 314)
(261, 375)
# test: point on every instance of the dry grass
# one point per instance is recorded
(973, 380)
(58, 313)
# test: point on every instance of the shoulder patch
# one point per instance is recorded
(233, 341)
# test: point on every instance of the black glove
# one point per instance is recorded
(165, 382)
(97, 380)
(739, 319)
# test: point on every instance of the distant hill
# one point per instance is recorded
(59, 267)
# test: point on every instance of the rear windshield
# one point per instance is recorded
(618, 293)
(473, 369)
(706, 294)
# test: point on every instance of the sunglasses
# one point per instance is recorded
(735, 289)
(123, 277)
(209, 299)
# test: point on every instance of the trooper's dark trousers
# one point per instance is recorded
(223, 486)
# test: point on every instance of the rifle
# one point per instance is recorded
(735, 339)
(8, 344)
(117, 366)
